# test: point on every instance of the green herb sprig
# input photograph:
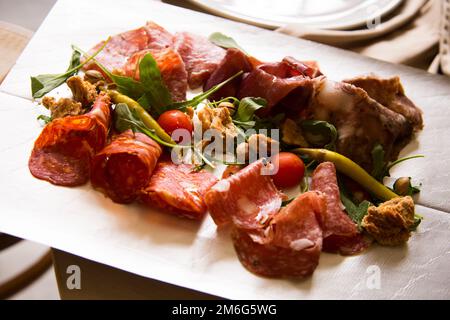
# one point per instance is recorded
(224, 41)
(44, 83)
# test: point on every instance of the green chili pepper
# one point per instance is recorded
(146, 118)
(350, 169)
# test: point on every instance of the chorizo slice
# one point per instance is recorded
(61, 154)
(125, 166)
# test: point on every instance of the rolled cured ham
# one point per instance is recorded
(125, 166)
(233, 62)
(287, 85)
(63, 151)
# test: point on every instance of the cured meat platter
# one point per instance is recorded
(148, 241)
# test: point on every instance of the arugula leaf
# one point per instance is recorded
(379, 165)
(320, 133)
(182, 105)
(44, 118)
(247, 108)
(224, 41)
(121, 114)
(417, 221)
(396, 162)
(156, 92)
(150, 92)
(125, 85)
(268, 123)
(355, 212)
(44, 83)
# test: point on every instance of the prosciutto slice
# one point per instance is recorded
(233, 62)
(63, 151)
(286, 85)
(119, 48)
(123, 45)
(200, 56)
(125, 166)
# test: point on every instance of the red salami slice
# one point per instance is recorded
(158, 37)
(293, 244)
(125, 166)
(123, 45)
(119, 48)
(340, 233)
(247, 198)
(62, 152)
(200, 56)
(178, 189)
(171, 66)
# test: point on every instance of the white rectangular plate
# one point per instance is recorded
(156, 245)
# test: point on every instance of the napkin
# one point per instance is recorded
(410, 35)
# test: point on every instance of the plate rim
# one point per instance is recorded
(274, 24)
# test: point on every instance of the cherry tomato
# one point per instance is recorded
(291, 170)
(175, 119)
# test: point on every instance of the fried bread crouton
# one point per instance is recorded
(390, 223)
(82, 91)
(217, 118)
(63, 107)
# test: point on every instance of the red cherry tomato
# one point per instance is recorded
(291, 170)
(175, 119)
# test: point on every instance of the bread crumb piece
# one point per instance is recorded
(390, 223)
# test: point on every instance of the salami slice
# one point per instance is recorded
(200, 56)
(340, 233)
(123, 45)
(158, 37)
(247, 198)
(170, 65)
(62, 152)
(293, 243)
(119, 48)
(178, 189)
(125, 166)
